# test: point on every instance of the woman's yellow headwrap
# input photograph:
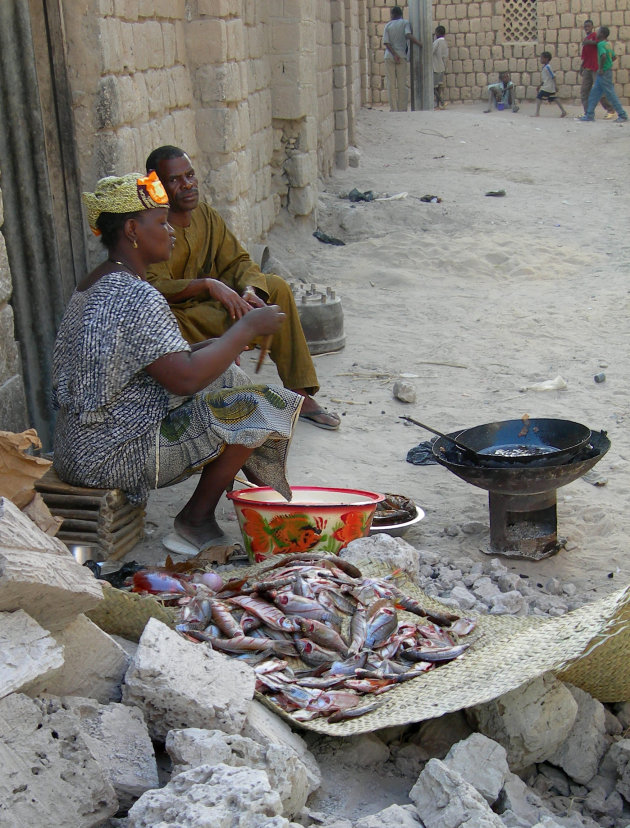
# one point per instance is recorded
(126, 194)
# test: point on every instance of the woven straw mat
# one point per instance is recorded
(127, 613)
(506, 652)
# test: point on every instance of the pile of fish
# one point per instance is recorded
(319, 634)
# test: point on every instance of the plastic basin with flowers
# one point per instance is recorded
(326, 519)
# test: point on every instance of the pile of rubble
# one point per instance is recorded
(96, 730)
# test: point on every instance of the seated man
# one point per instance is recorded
(210, 282)
(503, 92)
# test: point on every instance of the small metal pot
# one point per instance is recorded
(83, 552)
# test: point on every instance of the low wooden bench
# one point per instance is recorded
(102, 518)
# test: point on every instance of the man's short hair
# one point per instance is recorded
(605, 31)
(164, 153)
(396, 12)
(547, 55)
(440, 31)
(588, 20)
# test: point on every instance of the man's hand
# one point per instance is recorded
(231, 301)
(252, 298)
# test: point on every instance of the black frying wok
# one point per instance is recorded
(523, 441)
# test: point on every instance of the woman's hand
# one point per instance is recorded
(236, 306)
(265, 320)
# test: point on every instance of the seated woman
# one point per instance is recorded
(140, 408)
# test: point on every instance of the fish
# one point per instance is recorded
(293, 604)
(463, 626)
(312, 654)
(380, 626)
(323, 635)
(147, 580)
(353, 712)
(434, 654)
(246, 643)
(268, 613)
(358, 631)
(224, 619)
(411, 605)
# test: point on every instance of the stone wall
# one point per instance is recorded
(263, 94)
(486, 38)
(12, 402)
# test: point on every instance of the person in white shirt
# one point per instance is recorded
(440, 54)
(396, 38)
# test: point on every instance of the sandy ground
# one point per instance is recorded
(471, 299)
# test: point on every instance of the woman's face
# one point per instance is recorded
(154, 235)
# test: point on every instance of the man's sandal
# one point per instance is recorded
(322, 419)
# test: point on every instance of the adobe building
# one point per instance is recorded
(263, 95)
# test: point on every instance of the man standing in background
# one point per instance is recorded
(589, 67)
(396, 38)
(440, 53)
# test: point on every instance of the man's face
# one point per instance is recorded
(505, 77)
(180, 182)
(588, 28)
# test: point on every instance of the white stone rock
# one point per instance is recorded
(507, 603)
(93, 664)
(445, 800)
(28, 652)
(38, 574)
(520, 801)
(179, 684)
(462, 597)
(354, 156)
(118, 738)
(530, 722)
(396, 816)
(580, 753)
(619, 757)
(404, 391)
(437, 736)
(482, 763)
(265, 727)
(386, 551)
(211, 797)
(48, 776)
(286, 773)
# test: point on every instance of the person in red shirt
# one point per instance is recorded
(589, 67)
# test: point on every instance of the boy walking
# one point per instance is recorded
(440, 54)
(603, 82)
(589, 67)
(547, 88)
(396, 37)
(502, 92)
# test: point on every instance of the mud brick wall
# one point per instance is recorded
(263, 94)
(486, 38)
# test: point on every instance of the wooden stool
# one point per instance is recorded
(102, 518)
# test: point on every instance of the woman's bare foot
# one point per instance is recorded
(201, 535)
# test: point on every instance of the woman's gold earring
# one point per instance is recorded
(134, 243)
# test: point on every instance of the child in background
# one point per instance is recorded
(603, 80)
(547, 88)
(502, 92)
(440, 53)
